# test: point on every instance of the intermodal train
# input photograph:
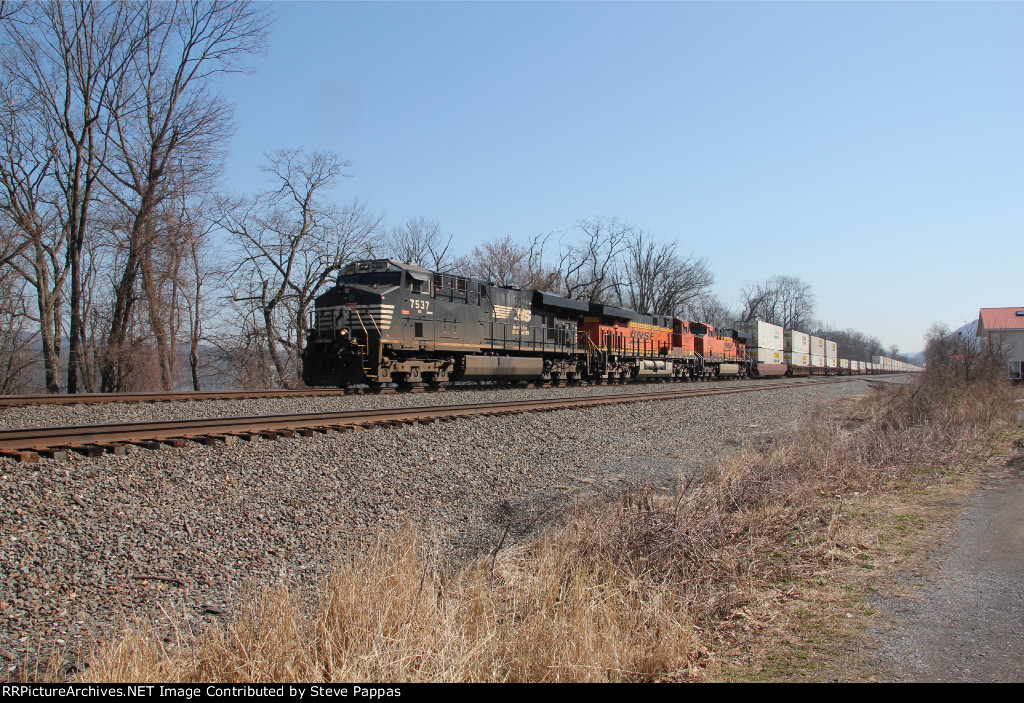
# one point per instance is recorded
(386, 321)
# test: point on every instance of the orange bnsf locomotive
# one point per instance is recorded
(390, 322)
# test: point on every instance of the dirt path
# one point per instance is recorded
(969, 622)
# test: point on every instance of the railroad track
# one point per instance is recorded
(28, 444)
(7, 401)
(10, 401)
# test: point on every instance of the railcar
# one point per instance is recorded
(386, 321)
(391, 322)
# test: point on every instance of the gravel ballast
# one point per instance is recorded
(175, 535)
(99, 413)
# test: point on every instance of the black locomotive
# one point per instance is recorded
(391, 322)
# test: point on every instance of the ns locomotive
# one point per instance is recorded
(391, 322)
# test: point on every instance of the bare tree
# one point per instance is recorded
(291, 243)
(657, 279)
(241, 350)
(853, 343)
(63, 64)
(780, 300)
(588, 264)
(201, 272)
(167, 127)
(708, 308)
(962, 358)
(15, 335)
(420, 241)
(35, 239)
(506, 263)
(71, 57)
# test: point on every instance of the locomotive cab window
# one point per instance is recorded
(419, 283)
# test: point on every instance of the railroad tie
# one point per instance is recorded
(115, 449)
(50, 453)
(23, 455)
(89, 450)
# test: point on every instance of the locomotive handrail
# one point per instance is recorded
(366, 338)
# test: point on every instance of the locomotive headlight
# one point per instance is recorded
(343, 333)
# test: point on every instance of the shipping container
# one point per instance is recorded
(760, 334)
(817, 346)
(832, 363)
(766, 356)
(799, 342)
(831, 350)
(797, 359)
(817, 360)
(844, 363)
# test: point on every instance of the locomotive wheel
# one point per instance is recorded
(402, 381)
(431, 381)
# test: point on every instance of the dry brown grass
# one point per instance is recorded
(638, 590)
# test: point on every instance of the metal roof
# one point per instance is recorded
(996, 319)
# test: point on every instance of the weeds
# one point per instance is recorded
(640, 589)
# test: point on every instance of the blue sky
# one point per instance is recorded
(873, 149)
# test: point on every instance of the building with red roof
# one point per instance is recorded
(1005, 327)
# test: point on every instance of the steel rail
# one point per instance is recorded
(158, 396)
(23, 443)
(8, 401)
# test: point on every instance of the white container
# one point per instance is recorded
(798, 359)
(762, 335)
(844, 363)
(799, 342)
(817, 360)
(767, 356)
(831, 363)
(817, 346)
(831, 350)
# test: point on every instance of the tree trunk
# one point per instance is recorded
(157, 322)
(275, 355)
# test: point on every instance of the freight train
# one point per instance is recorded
(386, 321)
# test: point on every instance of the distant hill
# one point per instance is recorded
(968, 330)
